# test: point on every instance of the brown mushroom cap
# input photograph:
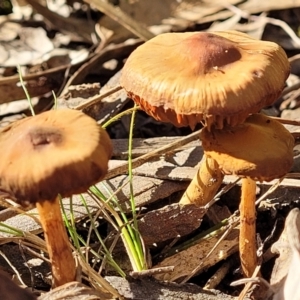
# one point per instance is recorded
(56, 152)
(260, 148)
(218, 78)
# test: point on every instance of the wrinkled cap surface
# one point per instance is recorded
(56, 152)
(260, 148)
(217, 78)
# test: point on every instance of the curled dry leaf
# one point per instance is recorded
(286, 272)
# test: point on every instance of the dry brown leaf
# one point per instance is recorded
(170, 222)
(196, 256)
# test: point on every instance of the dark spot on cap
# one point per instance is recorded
(212, 51)
(41, 137)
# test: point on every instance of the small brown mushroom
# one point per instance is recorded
(215, 78)
(56, 152)
(260, 149)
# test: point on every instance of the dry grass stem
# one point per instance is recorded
(251, 281)
(97, 280)
(97, 98)
(28, 249)
(234, 223)
(13, 210)
(13, 267)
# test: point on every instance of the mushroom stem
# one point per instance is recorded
(205, 183)
(60, 253)
(247, 242)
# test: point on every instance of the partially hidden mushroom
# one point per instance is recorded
(217, 79)
(260, 149)
(56, 152)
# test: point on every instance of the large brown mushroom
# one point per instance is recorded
(260, 149)
(215, 78)
(56, 152)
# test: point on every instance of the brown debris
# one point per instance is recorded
(170, 222)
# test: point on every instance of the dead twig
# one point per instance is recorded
(224, 235)
(218, 276)
(286, 121)
(97, 98)
(13, 267)
(151, 272)
(136, 162)
(291, 88)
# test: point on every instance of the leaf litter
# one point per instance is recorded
(67, 48)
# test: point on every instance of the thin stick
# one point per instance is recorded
(123, 169)
(151, 272)
(13, 267)
(286, 121)
(219, 275)
(224, 235)
(26, 91)
(291, 88)
(97, 98)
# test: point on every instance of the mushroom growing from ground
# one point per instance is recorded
(260, 149)
(215, 78)
(56, 152)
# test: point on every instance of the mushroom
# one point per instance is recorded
(56, 152)
(260, 149)
(215, 78)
